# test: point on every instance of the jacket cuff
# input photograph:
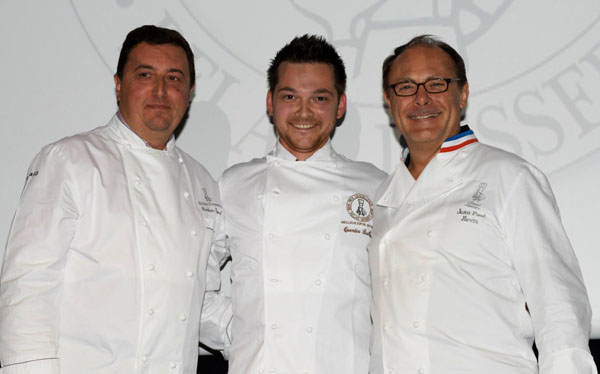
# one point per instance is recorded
(574, 360)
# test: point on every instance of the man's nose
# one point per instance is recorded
(422, 96)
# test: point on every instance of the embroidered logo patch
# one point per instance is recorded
(360, 207)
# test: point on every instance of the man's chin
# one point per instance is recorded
(159, 123)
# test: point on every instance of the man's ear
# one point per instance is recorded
(388, 104)
(341, 109)
(270, 103)
(118, 87)
(464, 95)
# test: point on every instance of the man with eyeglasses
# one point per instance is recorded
(469, 260)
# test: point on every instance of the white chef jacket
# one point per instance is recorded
(298, 235)
(458, 254)
(109, 257)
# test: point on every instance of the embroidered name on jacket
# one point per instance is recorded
(473, 215)
(208, 206)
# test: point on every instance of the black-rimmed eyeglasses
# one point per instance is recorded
(433, 85)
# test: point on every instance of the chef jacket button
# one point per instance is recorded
(138, 182)
(385, 282)
(391, 371)
(190, 274)
(430, 234)
(172, 364)
(274, 326)
(318, 282)
(334, 165)
(180, 160)
(277, 163)
(386, 326)
(151, 267)
(182, 318)
(261, 370)
(186, 194)
(150, 312)
(421, 371)
(327, 236)
(259, 196)
(129, 145)
(450, 180)
(309, 329)
(271, 236)
(416, 324)
(276, 191)
(336, 198)
(145, 223)
(194, 233)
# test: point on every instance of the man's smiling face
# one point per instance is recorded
(305, 107)
(424, 118)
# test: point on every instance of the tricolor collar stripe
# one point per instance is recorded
(450, 148)
(460, 135)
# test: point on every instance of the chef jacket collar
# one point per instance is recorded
(464, 137)
(440, 177)
(126, 135)
(325, 153)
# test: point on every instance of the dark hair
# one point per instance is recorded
(154, 35)
(310, 49)
(427, 41)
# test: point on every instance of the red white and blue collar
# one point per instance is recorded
(463, 138)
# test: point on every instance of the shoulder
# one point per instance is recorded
(362, 169)
(71, 149)
(508, 169)
(244, 170)
(367, 169)
(195, 168)
(499, 161)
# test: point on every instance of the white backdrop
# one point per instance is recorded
(533, 68)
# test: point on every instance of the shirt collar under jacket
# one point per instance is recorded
(126, 133)
(325, 153)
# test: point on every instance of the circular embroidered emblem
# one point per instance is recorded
(360, 207)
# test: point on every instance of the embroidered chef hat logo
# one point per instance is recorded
(206, 197)
(360, 207)
(478, 196)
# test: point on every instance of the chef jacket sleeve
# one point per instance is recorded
(34, 260)
(216, 309)
(549, 275)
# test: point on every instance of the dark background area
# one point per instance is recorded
(216, 365)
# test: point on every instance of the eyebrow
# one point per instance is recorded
(172, 70)
(317, 91)
(403, 80)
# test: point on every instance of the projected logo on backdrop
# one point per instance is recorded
(533, 83)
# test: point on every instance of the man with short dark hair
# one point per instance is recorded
(299, 221)
(116, 237)
(469, 260)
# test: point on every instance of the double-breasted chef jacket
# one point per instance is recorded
(109, 257)
(298, 236)
(469, 264)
